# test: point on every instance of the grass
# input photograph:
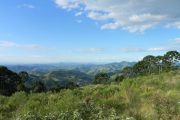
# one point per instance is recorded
(154, 97)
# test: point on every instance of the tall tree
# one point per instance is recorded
(170, 59)
(159, 63)
(149, 64)
(101, 78)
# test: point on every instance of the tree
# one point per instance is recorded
(149, 64)
(159, 63)
(9, 81)
(71, 85)
(128, 72)
(24, 75)
(119, 78)
(170, 59)
(38, 87)
(101, 78)
(140, 68)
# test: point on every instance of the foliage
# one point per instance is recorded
(10, 82)
(153, 65)
(101, 78)
(119, 78)
(38, 87)
(141, 98)
(148, 90)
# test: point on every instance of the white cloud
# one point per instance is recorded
(89, 50)
(7, 44)
(153, 49)
(111, 26)
(139, 28)
(99, 16)
(10, 44)
(67, 4)
(177, 40)
(146, 17)
(131, 15)
(26, 6)
(175, 25)
(94, 50)
(78, 14)
(133, 50)
(157, 49)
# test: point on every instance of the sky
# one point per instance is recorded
(52, 31)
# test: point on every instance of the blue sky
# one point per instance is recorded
(50, 31)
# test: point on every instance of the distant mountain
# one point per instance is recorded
(64, 73)
(90, 69)
(108, 68)
(32, 68)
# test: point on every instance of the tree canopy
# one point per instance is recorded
(153, 64)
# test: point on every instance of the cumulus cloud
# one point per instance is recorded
(131, 15)
(10, 44)
(67, 4)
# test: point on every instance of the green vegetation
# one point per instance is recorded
(67, 76)
(152, 97)
(153, 65)
(147, 66)
(101, 78)
(10, 82)
(149, 90)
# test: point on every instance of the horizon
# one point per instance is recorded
(58, 63)
(78, 31)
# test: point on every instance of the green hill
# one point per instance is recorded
(60, 78)
(91, 69)
(153, 97)
(108, 68)
(64, 76)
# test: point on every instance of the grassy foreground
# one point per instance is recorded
(154, 97)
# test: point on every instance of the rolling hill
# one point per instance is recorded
(90, 69)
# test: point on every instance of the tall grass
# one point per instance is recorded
(154, 97)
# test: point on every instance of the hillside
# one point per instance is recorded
(60, 78)
(63, 76)
(152, 97)
(90, 69)
(107, 68)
